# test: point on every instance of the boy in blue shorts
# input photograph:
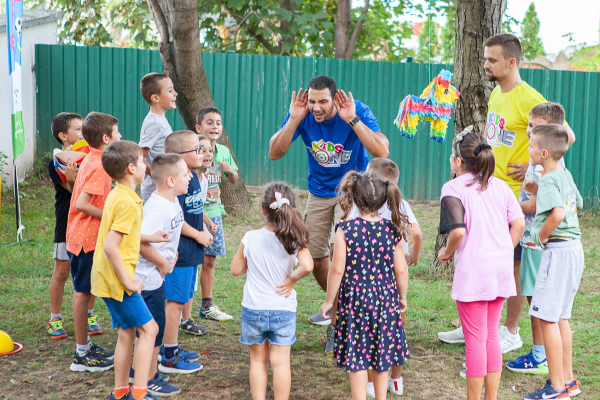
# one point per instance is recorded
(180, 283)
(556, 230)
(115, 259)
(209, 123)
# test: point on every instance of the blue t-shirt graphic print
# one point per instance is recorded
(190, 251)
(333, 149)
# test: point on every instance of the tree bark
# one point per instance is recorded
(476, 20)
(179, 46)
(344, 44)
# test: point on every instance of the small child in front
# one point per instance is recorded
(113, 273)
(535, 361)
(477, 210)
(209, 123)
(268, 256)
(162, 213)
(556, 229)
(412, 248)
(158, 91)
(91, 189)
(180, 283)
(371, 276)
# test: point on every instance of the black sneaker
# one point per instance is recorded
(193, 328)
(105, 353)
(330, 345)
(90, 362)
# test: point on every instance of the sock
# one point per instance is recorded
(171, 350)
(139, 392)
(369, 385)
(539, 353)
(121, 391)
(207, 302)
(90, 311)
(82, 349)
(55, 316)
(89, 341)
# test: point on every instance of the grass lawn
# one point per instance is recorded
(41, 370)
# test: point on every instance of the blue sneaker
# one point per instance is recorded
(548, 392)
(159, 387)
(177, 365)
(157, 375)
(186, 355)
(528, 365)
(573, 387)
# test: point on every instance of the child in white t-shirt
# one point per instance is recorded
(268, 257)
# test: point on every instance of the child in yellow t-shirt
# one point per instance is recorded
(115, 260)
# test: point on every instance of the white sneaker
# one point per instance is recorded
(214, 313)
(396, 386)
(455, 336)
(463, 374)
(508, 341)
(370, 390)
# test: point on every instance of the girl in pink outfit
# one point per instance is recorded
(485, 223)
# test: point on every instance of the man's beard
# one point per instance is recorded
(492, 78)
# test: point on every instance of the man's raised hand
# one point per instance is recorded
(299, 104)
(345, 105)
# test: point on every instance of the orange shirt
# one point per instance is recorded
(82, 229)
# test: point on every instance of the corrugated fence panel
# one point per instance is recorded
(254, 93)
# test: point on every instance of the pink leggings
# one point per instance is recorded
(480, 321)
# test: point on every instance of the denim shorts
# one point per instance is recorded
(132, 312)
(179, 284)
(278, 327)
(217, 248)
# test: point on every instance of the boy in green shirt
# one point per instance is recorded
(209, 123)
(556, 229)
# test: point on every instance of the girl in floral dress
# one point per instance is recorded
(372, 279)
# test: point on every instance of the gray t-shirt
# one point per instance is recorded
(155, 130)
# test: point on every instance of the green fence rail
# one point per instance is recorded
(254, 92)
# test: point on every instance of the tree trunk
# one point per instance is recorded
(476, 20)
(344, 44)
(179, 46)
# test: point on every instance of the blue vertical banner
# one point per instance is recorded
(14, 33)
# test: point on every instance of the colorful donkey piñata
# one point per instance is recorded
(435, 105)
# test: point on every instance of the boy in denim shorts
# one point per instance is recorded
(115, 260)
(556, 229)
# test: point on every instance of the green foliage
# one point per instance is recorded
(448, 34)
(429, 47)
(587, 58)
(530, 40)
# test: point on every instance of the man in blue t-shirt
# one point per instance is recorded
(337, 132)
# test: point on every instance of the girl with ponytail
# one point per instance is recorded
(369, 271)
(268, 257)
(485, 223)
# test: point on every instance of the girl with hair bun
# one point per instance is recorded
(268, 257)
(485, 223)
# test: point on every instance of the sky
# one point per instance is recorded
(557, 18)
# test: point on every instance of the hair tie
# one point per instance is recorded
(279, 201)
(386, 183)
(459, 137)
(482, 146)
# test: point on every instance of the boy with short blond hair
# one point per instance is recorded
(535, 361)
(89, 195)
(115, 259)
(180, 283)
(158, 91)
(556, 230)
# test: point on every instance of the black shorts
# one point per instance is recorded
(518, 251)
(81, 270)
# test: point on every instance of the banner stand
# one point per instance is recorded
(20, 227)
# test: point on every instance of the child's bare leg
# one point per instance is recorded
(144, 350)
(80, 304)
(207, 276)
(536, 329)
(369, 376)
(153, 364)
(492, 382)
(282, 373)
(380, 383)
(91, 302)
(122, 358)
(186, 312)
(474, 386)
(172, 314)
(567, 349)
(396, 371)
(358, 385)
(62, 268)
(259, 361)
(554, 352)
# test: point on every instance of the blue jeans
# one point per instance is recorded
(278, 327)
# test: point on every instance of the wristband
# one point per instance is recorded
(354, 121)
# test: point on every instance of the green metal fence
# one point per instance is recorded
(254, 92)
